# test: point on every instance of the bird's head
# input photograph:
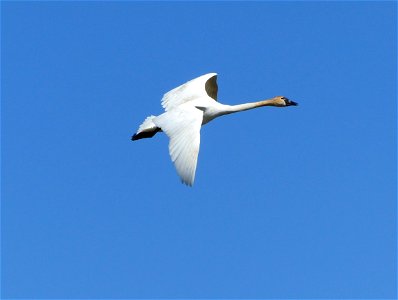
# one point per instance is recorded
(283, 101)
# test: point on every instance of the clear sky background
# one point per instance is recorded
(297, 202)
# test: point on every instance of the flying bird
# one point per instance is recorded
(187, 108)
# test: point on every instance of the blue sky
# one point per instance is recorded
(287, 203)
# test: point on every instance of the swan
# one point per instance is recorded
(188, 107)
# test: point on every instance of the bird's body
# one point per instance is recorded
(187, 108)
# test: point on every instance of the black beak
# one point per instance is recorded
(289, 102)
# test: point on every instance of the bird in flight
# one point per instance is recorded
(187, 108)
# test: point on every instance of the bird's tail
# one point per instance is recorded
(146, 130)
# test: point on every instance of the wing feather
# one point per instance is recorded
(182, 125)
(205, 85)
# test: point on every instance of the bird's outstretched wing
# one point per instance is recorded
(205, 85)
(182, 126)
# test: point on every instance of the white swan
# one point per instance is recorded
(187, 108)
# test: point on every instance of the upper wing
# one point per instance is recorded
(205, 85)
(182, 126)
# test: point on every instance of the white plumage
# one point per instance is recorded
(191, 90)
(187, 108)
(182, 125)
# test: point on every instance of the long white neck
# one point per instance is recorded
(229, 109)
